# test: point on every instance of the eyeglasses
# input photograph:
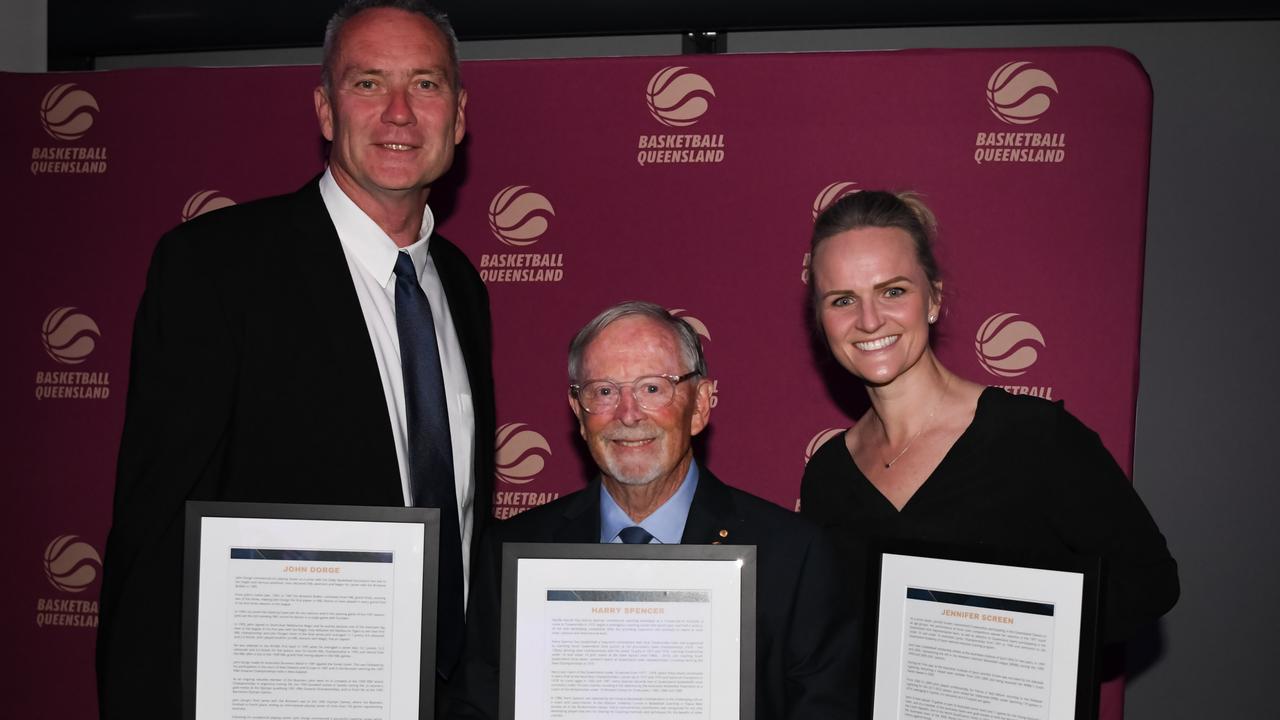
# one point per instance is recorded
(652, 392)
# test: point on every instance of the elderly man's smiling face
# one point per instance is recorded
(632, 445)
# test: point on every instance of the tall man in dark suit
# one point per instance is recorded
(320, 347)
(640, 392)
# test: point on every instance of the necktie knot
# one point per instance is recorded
(635, 535)
(405, 269)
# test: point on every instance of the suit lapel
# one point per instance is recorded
(462, 303)
(711, 517)
(330, 313)
(316, 255)
(580, 522)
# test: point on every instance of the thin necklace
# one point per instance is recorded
(888, 465)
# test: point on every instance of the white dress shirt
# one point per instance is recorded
(371, 257)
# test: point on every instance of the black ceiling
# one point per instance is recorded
(80, 30)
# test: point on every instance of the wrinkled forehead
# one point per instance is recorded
(631, 347)
(389, 38)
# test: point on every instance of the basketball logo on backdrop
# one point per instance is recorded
(71, 565)
(697, 325)
(66, 114)
(700, 328)
(521, 453)
(1008, 347)
(1019, 93)
(203, 202)
(677, 97)
(826, 196)
(818, 440)
(830, 194)
(519, 217)
(69, 337)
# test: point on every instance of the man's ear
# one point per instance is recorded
(579, 413)
(460, 117)
(324, 112)
(701, 406)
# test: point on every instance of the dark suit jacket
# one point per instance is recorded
(806, 629)
(252, 378)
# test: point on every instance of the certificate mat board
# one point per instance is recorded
(596, 630)
(963, 632)
(309, 611)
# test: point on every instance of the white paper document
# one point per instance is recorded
(291, 628)
(971, 656)
(627, 639)
(973, 641)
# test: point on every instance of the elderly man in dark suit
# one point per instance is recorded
(321, 347)
(640, 392)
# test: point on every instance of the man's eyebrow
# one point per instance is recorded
(379, 72)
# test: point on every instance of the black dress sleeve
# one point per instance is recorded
(1094, 509)
(820, 486)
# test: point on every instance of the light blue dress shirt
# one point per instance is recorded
(666, 524)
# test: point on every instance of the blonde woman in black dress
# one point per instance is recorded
(938, 457)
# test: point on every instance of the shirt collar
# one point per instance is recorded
(372, 248)
(666, 524)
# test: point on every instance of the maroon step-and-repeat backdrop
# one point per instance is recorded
(688, 181)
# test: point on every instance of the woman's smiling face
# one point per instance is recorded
(874, 301)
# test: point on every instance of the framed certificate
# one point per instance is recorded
(309, 611)
(605, 630)
(966, 633)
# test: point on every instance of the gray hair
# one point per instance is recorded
(690, 346)
(351, 8)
